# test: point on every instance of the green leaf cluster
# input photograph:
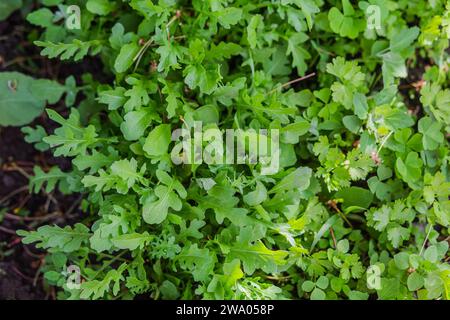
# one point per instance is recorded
(363, 179)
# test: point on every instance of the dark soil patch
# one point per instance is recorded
(410, 86)
(14, 287)
(19, 264)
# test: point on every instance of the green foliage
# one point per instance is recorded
(50, 179)
(363, 179)
(65, 239)
(23, 98)
(76, 50)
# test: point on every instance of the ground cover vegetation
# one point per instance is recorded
(359, 91)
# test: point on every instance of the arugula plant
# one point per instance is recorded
(364, 177)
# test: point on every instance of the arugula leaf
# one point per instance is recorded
(158, 140)
(66, 239)
(156, 206)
